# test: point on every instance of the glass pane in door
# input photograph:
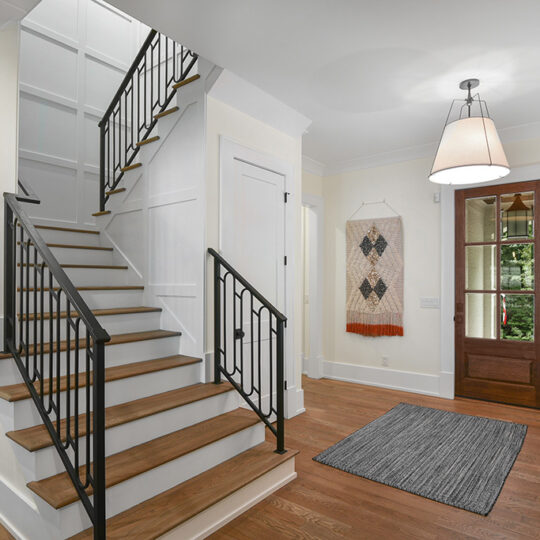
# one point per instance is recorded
(481, 315)
(517, 267)
(480, 268)
(517, 216)
(517, 317)
(480, 219)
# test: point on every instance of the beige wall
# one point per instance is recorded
(225, 120)
(406, 188)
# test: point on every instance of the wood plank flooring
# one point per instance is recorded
(325, 503)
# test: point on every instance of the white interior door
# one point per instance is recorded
(253, 241)
(253, 227)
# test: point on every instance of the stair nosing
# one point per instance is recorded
(148, 141)
(166, 112)
(191, 79)
(219, 389)
(113, 373)
(245, 418)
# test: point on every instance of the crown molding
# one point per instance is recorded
(509, 134)
(313, 166)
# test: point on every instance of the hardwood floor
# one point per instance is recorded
(325, 503)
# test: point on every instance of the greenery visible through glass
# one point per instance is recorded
(517, 317)
(517, 267)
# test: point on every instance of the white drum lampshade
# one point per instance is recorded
(469, 152)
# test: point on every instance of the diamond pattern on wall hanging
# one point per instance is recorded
(375, 277)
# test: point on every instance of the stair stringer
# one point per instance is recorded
(157, 226)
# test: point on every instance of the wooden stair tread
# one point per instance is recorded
(66, 229)
(58, 490)
(96, 312)
(5, 534)
(148, 141)
(17, 392)
(116, 339)
(162, 513)
(131, 167)
(93, 266)
(37, 437)
(76, 246)
(94, 288)
(115, 191)
(166, 112)
(102, 213)
(186, 81)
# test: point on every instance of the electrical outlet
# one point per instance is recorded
(385, 361)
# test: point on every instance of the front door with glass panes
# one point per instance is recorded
(497, 300)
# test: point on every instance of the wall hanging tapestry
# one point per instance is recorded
(375, 277)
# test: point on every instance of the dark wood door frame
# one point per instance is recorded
(493, 369)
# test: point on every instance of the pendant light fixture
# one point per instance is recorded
(470, 150)
(516, 218)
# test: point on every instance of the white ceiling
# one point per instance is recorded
(376, 77)
(15, 10)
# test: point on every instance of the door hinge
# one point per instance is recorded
(285, 260)
(285, 385)
(286, 196)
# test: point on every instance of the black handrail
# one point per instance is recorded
(146, 90)
(44, 290)
(246, 372)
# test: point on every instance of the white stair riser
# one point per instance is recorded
(24, 413)
(149, 484)
(115, 355)
(98, 276)
(67, 237)
(82, 256)
(114, 324)
(46, 461)
(100, 299)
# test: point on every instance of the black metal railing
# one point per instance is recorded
(146, 90)
(249, 345)
(58, 346)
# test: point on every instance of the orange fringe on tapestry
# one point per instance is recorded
(375, 330)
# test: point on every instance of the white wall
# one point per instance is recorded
(9, 110)
(222, 119)
(74, 54)
(422, 360)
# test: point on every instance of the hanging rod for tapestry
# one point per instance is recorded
(368, 203)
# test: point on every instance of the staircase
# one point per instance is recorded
(149, 447)
(175, 448)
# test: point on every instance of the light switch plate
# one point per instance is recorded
(430, 302)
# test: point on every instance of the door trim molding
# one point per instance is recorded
(229, 149)
(448, 216)
(313, 366)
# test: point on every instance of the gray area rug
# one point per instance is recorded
(452, 458)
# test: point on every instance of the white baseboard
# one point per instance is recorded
(409, 381)
(313, 367)
(446, 385)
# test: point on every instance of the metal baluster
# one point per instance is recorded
(58, 359)
(217, 322)
(68, 373)
(280, 387)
